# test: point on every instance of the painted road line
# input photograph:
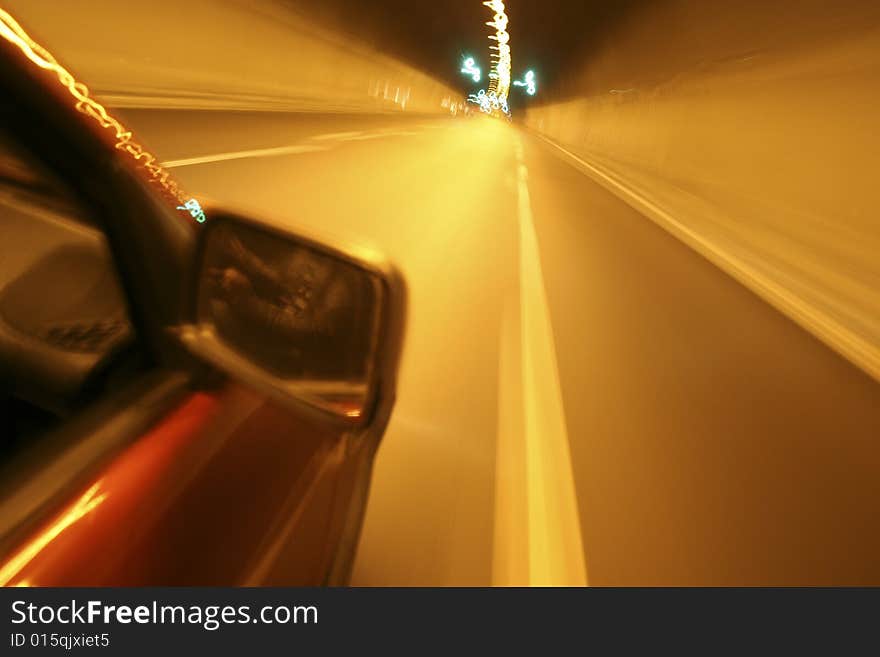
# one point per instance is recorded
(241, 155)
(362, 135)
(384, 133)
(337, 136)
(294, 149)
(510, 539)
(555, 554)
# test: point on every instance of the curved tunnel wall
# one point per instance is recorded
(224, 54)
(751, 130)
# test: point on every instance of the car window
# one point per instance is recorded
(65, 334)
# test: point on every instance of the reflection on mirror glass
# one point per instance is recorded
(306, 316)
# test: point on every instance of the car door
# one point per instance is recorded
(139, 450)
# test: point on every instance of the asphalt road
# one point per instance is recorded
(582, 397)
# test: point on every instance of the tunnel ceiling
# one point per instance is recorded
(548, 36)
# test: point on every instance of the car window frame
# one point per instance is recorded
(152, 244)
(151, 249)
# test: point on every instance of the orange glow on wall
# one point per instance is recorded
(16, 35)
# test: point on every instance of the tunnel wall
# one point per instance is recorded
(224, 54)
(751, 131)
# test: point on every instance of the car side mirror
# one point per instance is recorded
(313, 326)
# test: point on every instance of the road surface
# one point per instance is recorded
(582, 397)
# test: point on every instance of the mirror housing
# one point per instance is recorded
(314, 327)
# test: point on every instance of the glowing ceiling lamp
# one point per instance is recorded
(528, 82)
(500, 76)
(195, 210)
(489, 102)
(470, 68)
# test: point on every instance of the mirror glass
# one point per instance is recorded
(306, 316)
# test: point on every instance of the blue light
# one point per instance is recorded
(528, 82)
(469, 67)
(192, 206)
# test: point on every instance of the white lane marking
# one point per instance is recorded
(240, 155)
(337, 136)
(384, 133)
(294, 149)
(510, 538)
(555, 554)
(361, 135)
(814, 320)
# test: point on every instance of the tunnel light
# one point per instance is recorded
(489, 102)
(528, 82)
(469, 67)
(15, 34)
(500, 76)
(494, 98)
(195, 209)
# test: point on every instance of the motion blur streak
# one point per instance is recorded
(82, 507)
(113, 496)
(500, 82)
(13, 32)
(537, 539)
(471, 69)
(237, 155)
(528, 82)
(277, 60)
(556, 553)
(711, 440)
(754, 126)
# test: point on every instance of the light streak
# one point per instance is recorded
(500, 75)
(494, 98)
(87, 503)
(528, 82)
(16, 35)
(489, 102)
(469, 67)
(192, 206)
